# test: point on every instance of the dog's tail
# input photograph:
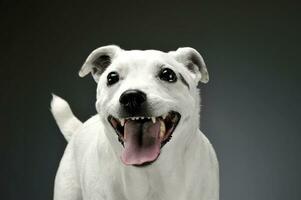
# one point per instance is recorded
(64, 117)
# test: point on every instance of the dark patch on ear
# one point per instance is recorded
(184, 81)
(194, 62)
(190, 67)
(101, 63)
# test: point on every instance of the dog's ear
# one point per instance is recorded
(99, 60)
(193, 61)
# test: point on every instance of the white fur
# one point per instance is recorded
(187, 167)
(64, 117)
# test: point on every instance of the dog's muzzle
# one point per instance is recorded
(141, 134)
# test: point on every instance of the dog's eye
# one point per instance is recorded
(168, 75)
(112, 78)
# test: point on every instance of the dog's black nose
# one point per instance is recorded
(132, 99)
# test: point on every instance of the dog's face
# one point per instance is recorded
(144, 95)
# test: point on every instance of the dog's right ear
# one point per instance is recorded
(99, 60)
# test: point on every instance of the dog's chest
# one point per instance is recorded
(110, 181)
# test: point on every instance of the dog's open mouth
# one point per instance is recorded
(143, 137)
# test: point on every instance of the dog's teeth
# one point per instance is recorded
(162, 129)
(164, 116)
(142, 117)
(154, 119)
(122, 122)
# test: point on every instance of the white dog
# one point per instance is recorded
(145, 142)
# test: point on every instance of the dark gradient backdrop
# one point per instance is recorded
(251, 110)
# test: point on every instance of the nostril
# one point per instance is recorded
(132, 98)
(140, 98)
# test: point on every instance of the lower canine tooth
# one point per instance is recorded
(162, 129)
(154, 119)
(122, 122)
(164, 116)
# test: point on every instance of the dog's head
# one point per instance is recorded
(144, 96)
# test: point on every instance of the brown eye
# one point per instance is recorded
(112, 78)
(168, 75)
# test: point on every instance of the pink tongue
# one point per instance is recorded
(142, 143)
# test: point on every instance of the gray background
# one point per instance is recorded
(250, 106)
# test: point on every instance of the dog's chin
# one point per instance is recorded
(142, 137)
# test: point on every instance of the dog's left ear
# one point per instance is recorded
(193, 61)
(99, 60)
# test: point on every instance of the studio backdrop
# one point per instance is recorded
(250, 108)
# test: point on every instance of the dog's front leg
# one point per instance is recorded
(67, 181)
